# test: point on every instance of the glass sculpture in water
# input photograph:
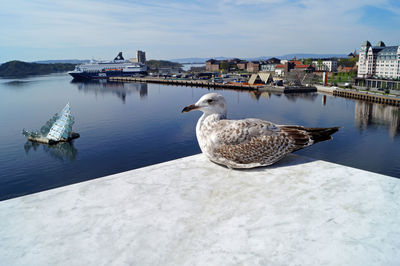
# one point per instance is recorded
(58, 128)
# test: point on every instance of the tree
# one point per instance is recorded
(347, 62)
(224, 65)
(308, 61)
(319, 64)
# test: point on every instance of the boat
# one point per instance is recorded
(57, 129)
(105, 69)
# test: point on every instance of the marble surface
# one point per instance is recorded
(193, 212)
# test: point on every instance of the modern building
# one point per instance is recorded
(260, 78)
(141, 57)
(379, 61)
(329, 65)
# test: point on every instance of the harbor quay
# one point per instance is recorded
(196, 83)
(207, 84)
(190, 211)
(347, 93)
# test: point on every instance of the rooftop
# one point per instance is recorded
(302, 66)
(193, 212)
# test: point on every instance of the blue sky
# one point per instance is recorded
(68, 29)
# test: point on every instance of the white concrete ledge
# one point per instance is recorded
(193, 212)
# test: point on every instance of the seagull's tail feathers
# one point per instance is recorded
(321, 134)
(314, 135)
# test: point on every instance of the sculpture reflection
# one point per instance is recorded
(120, 89)
(367, 114)
(63, 151)
(257, 94)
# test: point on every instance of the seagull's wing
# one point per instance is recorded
(252, 141)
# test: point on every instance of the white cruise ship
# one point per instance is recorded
(104, 69)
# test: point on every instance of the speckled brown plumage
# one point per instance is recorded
(250, 142)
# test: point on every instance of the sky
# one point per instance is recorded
(67, 29)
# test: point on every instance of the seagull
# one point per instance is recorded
(250, 142)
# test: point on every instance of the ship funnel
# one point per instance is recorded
(119, 56)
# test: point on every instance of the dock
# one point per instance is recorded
(371, 97)
(288, 89)
(208, 84)
(360, 95)
(190, 211)
(366, 96)
(187, 82)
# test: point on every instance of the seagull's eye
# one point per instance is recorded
(210, 100)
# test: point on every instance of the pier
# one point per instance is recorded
(190, 211)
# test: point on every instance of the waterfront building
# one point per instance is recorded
(212, 65)
(270, 64)
(353, 54)
(379, 61)
(305, 68)
(329, 65)
(253, 66)
(242, 65)
(141, 57)
(283, 69)
(346, 69)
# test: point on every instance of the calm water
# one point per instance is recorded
(126, 126)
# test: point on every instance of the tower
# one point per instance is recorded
(141, 56)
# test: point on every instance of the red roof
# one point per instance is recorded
(280, 66)
(297, 62)
(302, 66)
(347, 68)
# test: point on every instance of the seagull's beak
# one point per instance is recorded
(190, 108)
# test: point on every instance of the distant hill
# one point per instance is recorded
(64, 61)
(156, 64)
(303, 56)
(22, 69)
(287, 56)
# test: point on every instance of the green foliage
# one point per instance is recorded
(342, 77)
(307, 61)
(319, 64)
(224, 65)
(347, 62)
(21, 69)
(156, 64)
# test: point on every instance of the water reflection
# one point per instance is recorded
(366, 114)
(258, 94)
(120, 89)
(61, 151)
(293, 97)
(16, 83)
